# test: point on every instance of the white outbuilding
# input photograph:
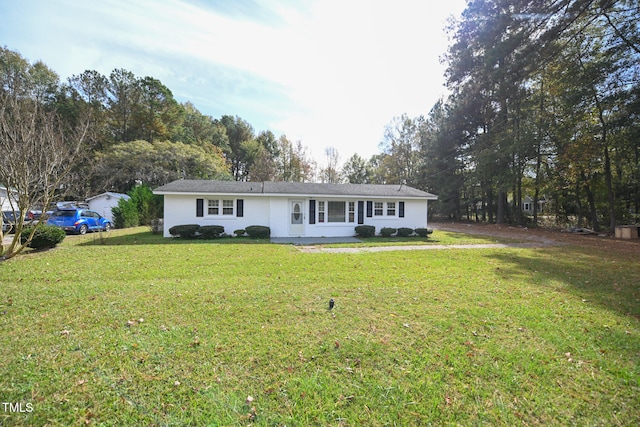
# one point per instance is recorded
(103, 203)
(7, 198)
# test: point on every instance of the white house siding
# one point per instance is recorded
(270, 204)
(181, 209)
(279, 216)
(415, 216)
(274, 212)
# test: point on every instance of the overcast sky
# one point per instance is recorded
(330, 73)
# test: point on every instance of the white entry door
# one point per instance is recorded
(296, 217)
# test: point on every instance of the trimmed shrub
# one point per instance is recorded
(405, 232)
(46, 236)
(258, 231)
(387, 231)
(186, 231)
(423, 232)
(125, 214)
(211, 231)
(240, 233)
(365, 231)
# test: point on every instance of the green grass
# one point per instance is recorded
(455, 337)
(438, 238)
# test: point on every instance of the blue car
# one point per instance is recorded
(78, 221)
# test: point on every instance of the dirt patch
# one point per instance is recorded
(604, 242)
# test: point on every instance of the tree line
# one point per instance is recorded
(544, 103)
(138, 132)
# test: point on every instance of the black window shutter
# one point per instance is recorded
(239, 208)
(369, 208)
(360, 212)
(401, 209)
(312, 211)
(199, 207)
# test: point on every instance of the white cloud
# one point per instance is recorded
(328, 73)
(373, 60)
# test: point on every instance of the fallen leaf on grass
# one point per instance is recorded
(88, 417)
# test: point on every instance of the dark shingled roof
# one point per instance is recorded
(297, 188)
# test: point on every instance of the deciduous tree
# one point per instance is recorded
(37, 148)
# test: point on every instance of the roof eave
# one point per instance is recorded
(299, 195)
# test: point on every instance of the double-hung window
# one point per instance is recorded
(220, 207)
(391, 208)
(227, 207)
(321, 211)
(378, 208)
(213, 207)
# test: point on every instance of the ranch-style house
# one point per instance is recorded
(293, 209)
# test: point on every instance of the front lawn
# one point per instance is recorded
(127, 328)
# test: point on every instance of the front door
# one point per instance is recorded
(296, 217)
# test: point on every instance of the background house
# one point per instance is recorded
(527, 205)
(102, 203)
(4, 198)
(291, 208)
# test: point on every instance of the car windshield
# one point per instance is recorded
(65, 213)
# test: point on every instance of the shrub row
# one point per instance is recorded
(192, 231)
(258, 231)
(186, 231)
(211, 231)
(365, 231)
(370, 231)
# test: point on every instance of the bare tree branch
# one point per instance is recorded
(37, 152)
